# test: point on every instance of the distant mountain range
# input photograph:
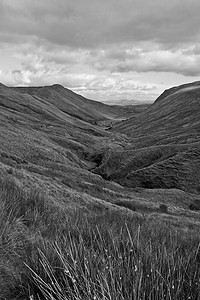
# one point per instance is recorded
(125, 102)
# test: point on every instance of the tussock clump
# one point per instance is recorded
(195, 205)
(112, 255)
(126, 204)
(163, 208)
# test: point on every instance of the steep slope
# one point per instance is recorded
(65, 231)
(165, 144)
(42, 147)
(71, 103)
(173, 118)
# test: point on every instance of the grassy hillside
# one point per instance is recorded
(163, 151)
(173, 118)
(48, 253)
(73, 104)
(92, 213)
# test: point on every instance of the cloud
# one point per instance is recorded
(90, 23)
(183, 61)
(94, 46)
(117, 87)
(99, 73)
(74, 70)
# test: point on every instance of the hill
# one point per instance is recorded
(49, 141)
(71, 103)
(55, 140)
(172, 118)
(43, 142)
(89, 212)
(164, 144)
(124, 102)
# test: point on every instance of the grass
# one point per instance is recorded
(47, 252)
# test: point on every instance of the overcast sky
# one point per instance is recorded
(102, 49)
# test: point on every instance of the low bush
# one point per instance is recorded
(163, 208)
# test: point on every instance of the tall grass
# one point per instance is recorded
(47, 253)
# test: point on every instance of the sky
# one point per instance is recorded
(101, 49)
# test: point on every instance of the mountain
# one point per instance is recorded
(71, 103)
(56, 140)
(172, 118)
(164, 149)
(123, 102)
(50, 142)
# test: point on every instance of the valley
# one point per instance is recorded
(55, 141)
(137, 162)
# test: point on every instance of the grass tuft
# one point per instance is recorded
(47, 253)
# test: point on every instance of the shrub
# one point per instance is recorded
(163, 208)
(195, 205)
(10, 171)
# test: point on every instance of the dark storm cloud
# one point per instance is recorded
(90, 23)
(99, 46)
